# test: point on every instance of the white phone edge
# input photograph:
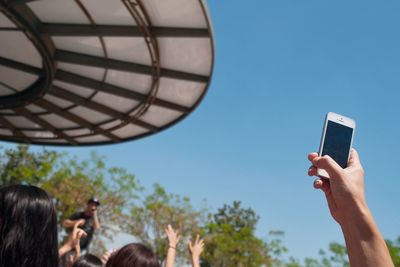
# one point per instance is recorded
(337, 118)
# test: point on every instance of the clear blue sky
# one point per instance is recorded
(280, 67)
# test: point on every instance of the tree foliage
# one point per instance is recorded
(394, 250)
(155, 212)
(231, 240)
(23, 166)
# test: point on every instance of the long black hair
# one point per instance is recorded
(88, 260)
(28, 228)
(134, 255)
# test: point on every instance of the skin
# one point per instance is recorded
(344, 192)
(173, 240)
(106, 256)
(91, 211)
(195, 249)
(73, 242)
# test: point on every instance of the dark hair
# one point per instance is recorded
(28, 228)
(88, 260)
(133, 255)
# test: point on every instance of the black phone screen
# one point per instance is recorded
(337, 142)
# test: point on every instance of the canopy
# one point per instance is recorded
(90, 72)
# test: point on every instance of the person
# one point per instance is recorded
(138, 255)
(28, 228)
(195, 248)
(344, 192)
(88, 260)
(173, 240)
(87, 220)
(133, 255)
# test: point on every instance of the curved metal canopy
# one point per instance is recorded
(83, 72)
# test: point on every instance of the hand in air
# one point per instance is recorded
(344, 191)
(173, 236)
(197, 247)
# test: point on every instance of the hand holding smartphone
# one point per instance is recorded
(336, 140)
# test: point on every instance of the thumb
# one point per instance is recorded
(329, 165)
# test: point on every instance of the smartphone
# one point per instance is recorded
(336, 140)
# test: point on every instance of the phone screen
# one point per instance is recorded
(337, 142)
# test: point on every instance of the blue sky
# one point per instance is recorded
(280, 67)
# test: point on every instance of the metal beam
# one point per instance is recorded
(18, 2)
(57, 29)
(18, 134)
(26, 113)
(8, 87)
(72, 117)
(64, 94)
(88, 60)
(20, 66)
(9, 29)
(115, 90)
(14, 139)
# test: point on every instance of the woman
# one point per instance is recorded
(133, 255)
(28, 228)
(138, 255)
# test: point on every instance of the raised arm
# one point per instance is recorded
(73, 242)
(195, 250)
(344, 192)
(173, 240)
(68, 223)
(96, 222)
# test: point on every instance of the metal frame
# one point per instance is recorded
(88, 60)
(54, 29)
(27, 22)
(144, 29)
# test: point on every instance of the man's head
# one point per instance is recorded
(92, 205)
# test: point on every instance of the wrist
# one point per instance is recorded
(68, 247)
(195, 257)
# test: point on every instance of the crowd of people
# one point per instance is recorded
(131, 255)
(29, 235)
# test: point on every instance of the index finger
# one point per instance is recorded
(312, 156)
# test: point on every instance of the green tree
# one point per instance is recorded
(394, 250)
(231, 241)
(152, 215)
(20, 165)
(335, 257)
(277, 250)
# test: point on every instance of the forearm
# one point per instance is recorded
(195, 261)
(64, 249)
(69, 223)
(170, 260)
(365, 244)
(96, 222)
